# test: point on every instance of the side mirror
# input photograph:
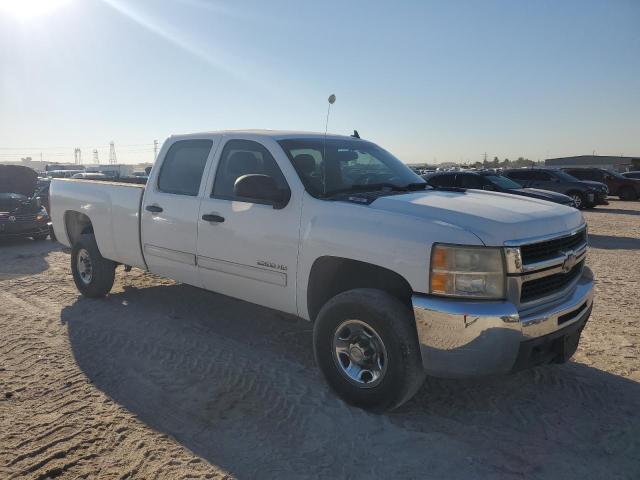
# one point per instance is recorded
(261, 188)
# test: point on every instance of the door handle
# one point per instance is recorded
(210, 217)
(153, 208)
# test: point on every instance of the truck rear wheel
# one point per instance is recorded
(92, 273)
(366, 346)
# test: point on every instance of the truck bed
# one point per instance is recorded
(113, 208)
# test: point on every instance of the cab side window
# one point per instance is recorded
(183, 166)
(244, 157)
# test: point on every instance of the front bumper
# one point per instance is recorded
(460, 338)
(597, 198)
(23, 229)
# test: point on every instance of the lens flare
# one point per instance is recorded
(31, 8)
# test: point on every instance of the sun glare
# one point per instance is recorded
(31, 8)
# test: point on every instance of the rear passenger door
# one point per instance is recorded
(170, 210)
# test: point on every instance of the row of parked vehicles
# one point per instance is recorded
(578, 187)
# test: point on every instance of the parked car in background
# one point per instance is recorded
(91, 176)
(585, 194)
(620, 186)
(399, 279)
(62, 173)
(42, 192)
(493, 182)
(634, 174)
(21, 214)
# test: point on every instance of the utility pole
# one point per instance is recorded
(112, 153)
(77, 156)
(155, 150)
(95, 157)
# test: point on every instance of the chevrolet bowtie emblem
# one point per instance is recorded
(569, 261)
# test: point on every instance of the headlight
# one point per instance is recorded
(459, 271)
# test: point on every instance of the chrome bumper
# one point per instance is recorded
(467, 338)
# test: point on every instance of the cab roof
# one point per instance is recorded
(257, 133)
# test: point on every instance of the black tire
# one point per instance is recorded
(394, 324)
(42, 236)
(99, 282)
(579, 200)
(627, 193)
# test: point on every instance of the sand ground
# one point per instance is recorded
(161, 380)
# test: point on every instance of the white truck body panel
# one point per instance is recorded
(114, 212)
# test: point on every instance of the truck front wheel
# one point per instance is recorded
(366, 346)
(92, 273)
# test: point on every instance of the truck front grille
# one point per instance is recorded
(537, 252)
(545, 286)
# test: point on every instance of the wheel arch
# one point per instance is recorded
(331, 275)
(76, 224)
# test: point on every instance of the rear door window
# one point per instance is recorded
(183, 166)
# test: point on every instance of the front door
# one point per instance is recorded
(170, 211)
(248, 249)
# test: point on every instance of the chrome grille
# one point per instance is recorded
(548, 285)
(538, 252)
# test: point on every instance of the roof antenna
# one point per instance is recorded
(355, 134)
(331, 100)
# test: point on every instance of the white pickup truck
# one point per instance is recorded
(400, 279)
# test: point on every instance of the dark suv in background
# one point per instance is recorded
(623, 187)
(585, 193)
(486, 180)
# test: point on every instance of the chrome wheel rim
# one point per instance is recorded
(359, 353)
(577, 199)
(85, 267)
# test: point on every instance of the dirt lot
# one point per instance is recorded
(161, 380)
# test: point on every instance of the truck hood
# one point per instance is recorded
(493, 217)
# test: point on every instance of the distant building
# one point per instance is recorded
(621, 164)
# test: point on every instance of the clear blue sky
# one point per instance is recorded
(444, 81)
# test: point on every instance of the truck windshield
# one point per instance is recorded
(341, 165)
